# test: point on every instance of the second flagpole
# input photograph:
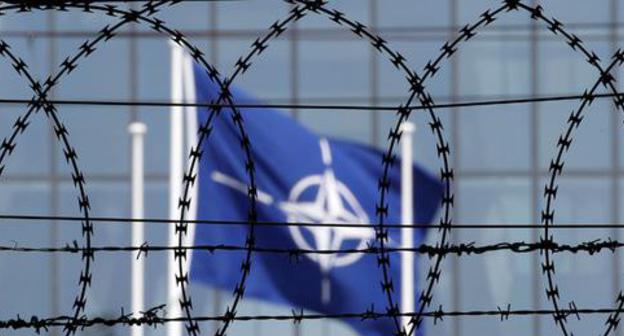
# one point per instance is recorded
(176, 166)
(137, 131)
(407, 218)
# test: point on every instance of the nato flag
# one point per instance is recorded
(301, 177)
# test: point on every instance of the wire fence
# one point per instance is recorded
(419, 99)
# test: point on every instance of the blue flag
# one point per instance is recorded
(301, 178)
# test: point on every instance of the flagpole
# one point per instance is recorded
(175, 180)
(407, 217)
(137, 131)
(191, 129)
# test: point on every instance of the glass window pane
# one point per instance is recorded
(26, 280)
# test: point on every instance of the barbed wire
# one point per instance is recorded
(590, 247)
(8, 146)
(479, 103)
(60, 130)
(151, 317)
(128, 220)
(401, 33)
(380, 247)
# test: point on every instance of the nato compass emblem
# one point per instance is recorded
(326, 201)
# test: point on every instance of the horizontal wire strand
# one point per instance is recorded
(151, 317)
(120, 220)
(590, 247)
(495, 102)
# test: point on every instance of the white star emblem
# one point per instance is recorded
(334, 203)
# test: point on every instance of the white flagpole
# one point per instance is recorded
(191, 141)
(137, 131)
(407, 217)
(175, 179)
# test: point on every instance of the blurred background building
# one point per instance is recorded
(500, 153)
